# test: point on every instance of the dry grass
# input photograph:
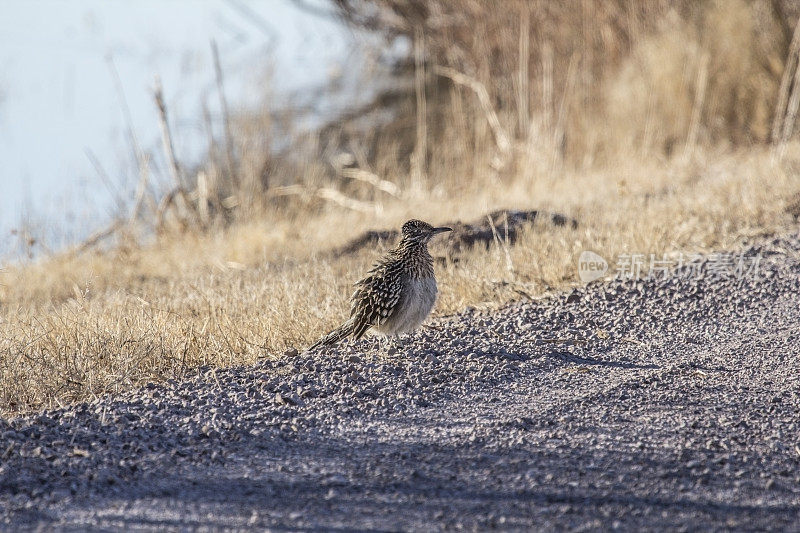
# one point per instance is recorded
(75, 328)
(644, 121)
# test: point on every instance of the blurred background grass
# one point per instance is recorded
(661, 126)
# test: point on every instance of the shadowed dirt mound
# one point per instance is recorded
(504, 224)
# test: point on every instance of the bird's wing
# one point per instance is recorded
(375, 297)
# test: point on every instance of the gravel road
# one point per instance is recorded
(670, 403)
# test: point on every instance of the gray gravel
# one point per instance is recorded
(636, 405)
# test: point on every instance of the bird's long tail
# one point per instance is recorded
(334, 336)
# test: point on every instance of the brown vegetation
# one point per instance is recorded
(660, 127)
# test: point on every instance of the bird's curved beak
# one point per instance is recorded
(441, 230)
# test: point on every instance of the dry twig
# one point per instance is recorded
(501, 137)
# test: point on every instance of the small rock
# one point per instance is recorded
(80, 452)
(573, 297)
(286, 399)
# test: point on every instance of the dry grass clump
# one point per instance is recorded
(711, 79)
(586, 83)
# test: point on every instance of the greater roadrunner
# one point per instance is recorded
(398, 293)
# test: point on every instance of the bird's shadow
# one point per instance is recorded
(569, 357)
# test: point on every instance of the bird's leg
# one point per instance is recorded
(379, 341)
(391, 344)
(398, 343)
(403, 341)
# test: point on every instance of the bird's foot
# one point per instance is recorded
(395, 345)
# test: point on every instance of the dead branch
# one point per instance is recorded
(141, 190)
(202, 196)
(97, 237)
(501, 137)
(287, 190)
(101, 172)
(142, 160)
(786, 82)
(172, 197)
(338, 198)
(223, 104)
(523, 78)
(374, 180)
(697, 107)
(420, 153)
(169, 150)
